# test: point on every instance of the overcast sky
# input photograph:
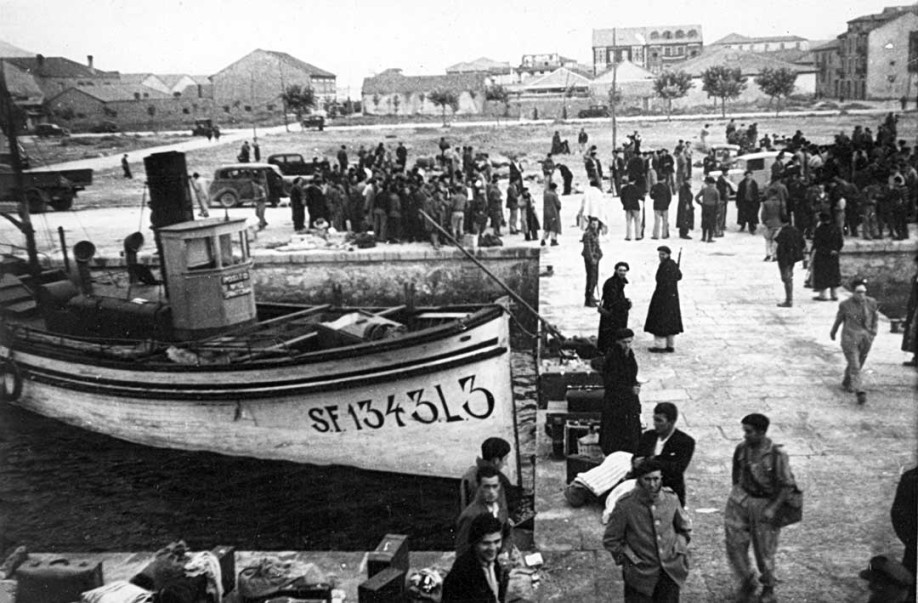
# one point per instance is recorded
(357, 38)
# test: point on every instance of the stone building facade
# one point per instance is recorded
(255, 83)
(654, 48)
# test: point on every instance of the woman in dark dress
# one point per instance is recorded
(620, 427)
(827, 242)
(613, 307)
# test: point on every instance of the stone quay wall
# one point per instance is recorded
(379, 276)
(889, 267)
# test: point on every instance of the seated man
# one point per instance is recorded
(494, 453)
(487, 502)
(476, 575)
(668, 446)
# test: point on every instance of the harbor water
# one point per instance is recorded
(66, 489)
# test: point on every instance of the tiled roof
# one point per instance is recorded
(301, 65)
(119, 92)
(627, 72)
(641, 36)
(830, 45)
(735, 38)
(391, 81)
(560, 78)
(889, 13)
(59, 67)
(750, 63)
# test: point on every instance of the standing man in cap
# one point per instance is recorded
(664, 316)
(632, 197)
(620, 424)
(126, 167)
(476, 576)
(551, 214)
(709, 199)
(859, 315)
(747, 203)
(613, 307)
(667, 446)
(648, 535)
(790, 248)
(762, 480)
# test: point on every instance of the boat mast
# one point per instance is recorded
(24, 224)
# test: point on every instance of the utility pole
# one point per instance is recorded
(613, 97)
(252, 104)
(280, 69)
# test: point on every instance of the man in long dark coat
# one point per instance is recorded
(613, 307)
(685, 211)
(747, 203)
(827, 242)
(620, 427)
(664, 317)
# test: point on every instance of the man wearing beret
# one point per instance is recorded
(476, 577)
(648, 535)
(664, 317)
(762, 481)
(620, 424)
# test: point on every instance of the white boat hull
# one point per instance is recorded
(420, 409)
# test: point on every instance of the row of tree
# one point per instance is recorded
(721, 82)
(725, 83)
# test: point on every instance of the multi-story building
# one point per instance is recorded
(874, 61)
(736, 41)
(543, 64)
(654, 47)
(825, 59)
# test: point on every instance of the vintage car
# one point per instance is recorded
(104, 127)
(232, 184)
(594, 111)
(314, 120)
(203, 127)
(758, 163)
(50, 130)
(293, 164)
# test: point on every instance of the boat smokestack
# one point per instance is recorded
(83, 253)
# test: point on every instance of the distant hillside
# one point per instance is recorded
(8, 50)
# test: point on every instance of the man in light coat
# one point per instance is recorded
(648, 535)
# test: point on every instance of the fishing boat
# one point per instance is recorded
(192, 361)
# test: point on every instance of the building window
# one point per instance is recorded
(185, 110)
(667, 35)
(654, 35)
(667, 51)
(692, 33)
(270, 107)
(680, 34)
(226, 108)
(248, 108)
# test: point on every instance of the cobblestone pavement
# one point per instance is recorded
(740, 354)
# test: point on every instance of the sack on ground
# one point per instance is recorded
(577, 494)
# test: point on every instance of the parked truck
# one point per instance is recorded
(44, 187)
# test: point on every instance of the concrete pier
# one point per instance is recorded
(740, 354)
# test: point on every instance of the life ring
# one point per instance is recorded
(9, 371)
